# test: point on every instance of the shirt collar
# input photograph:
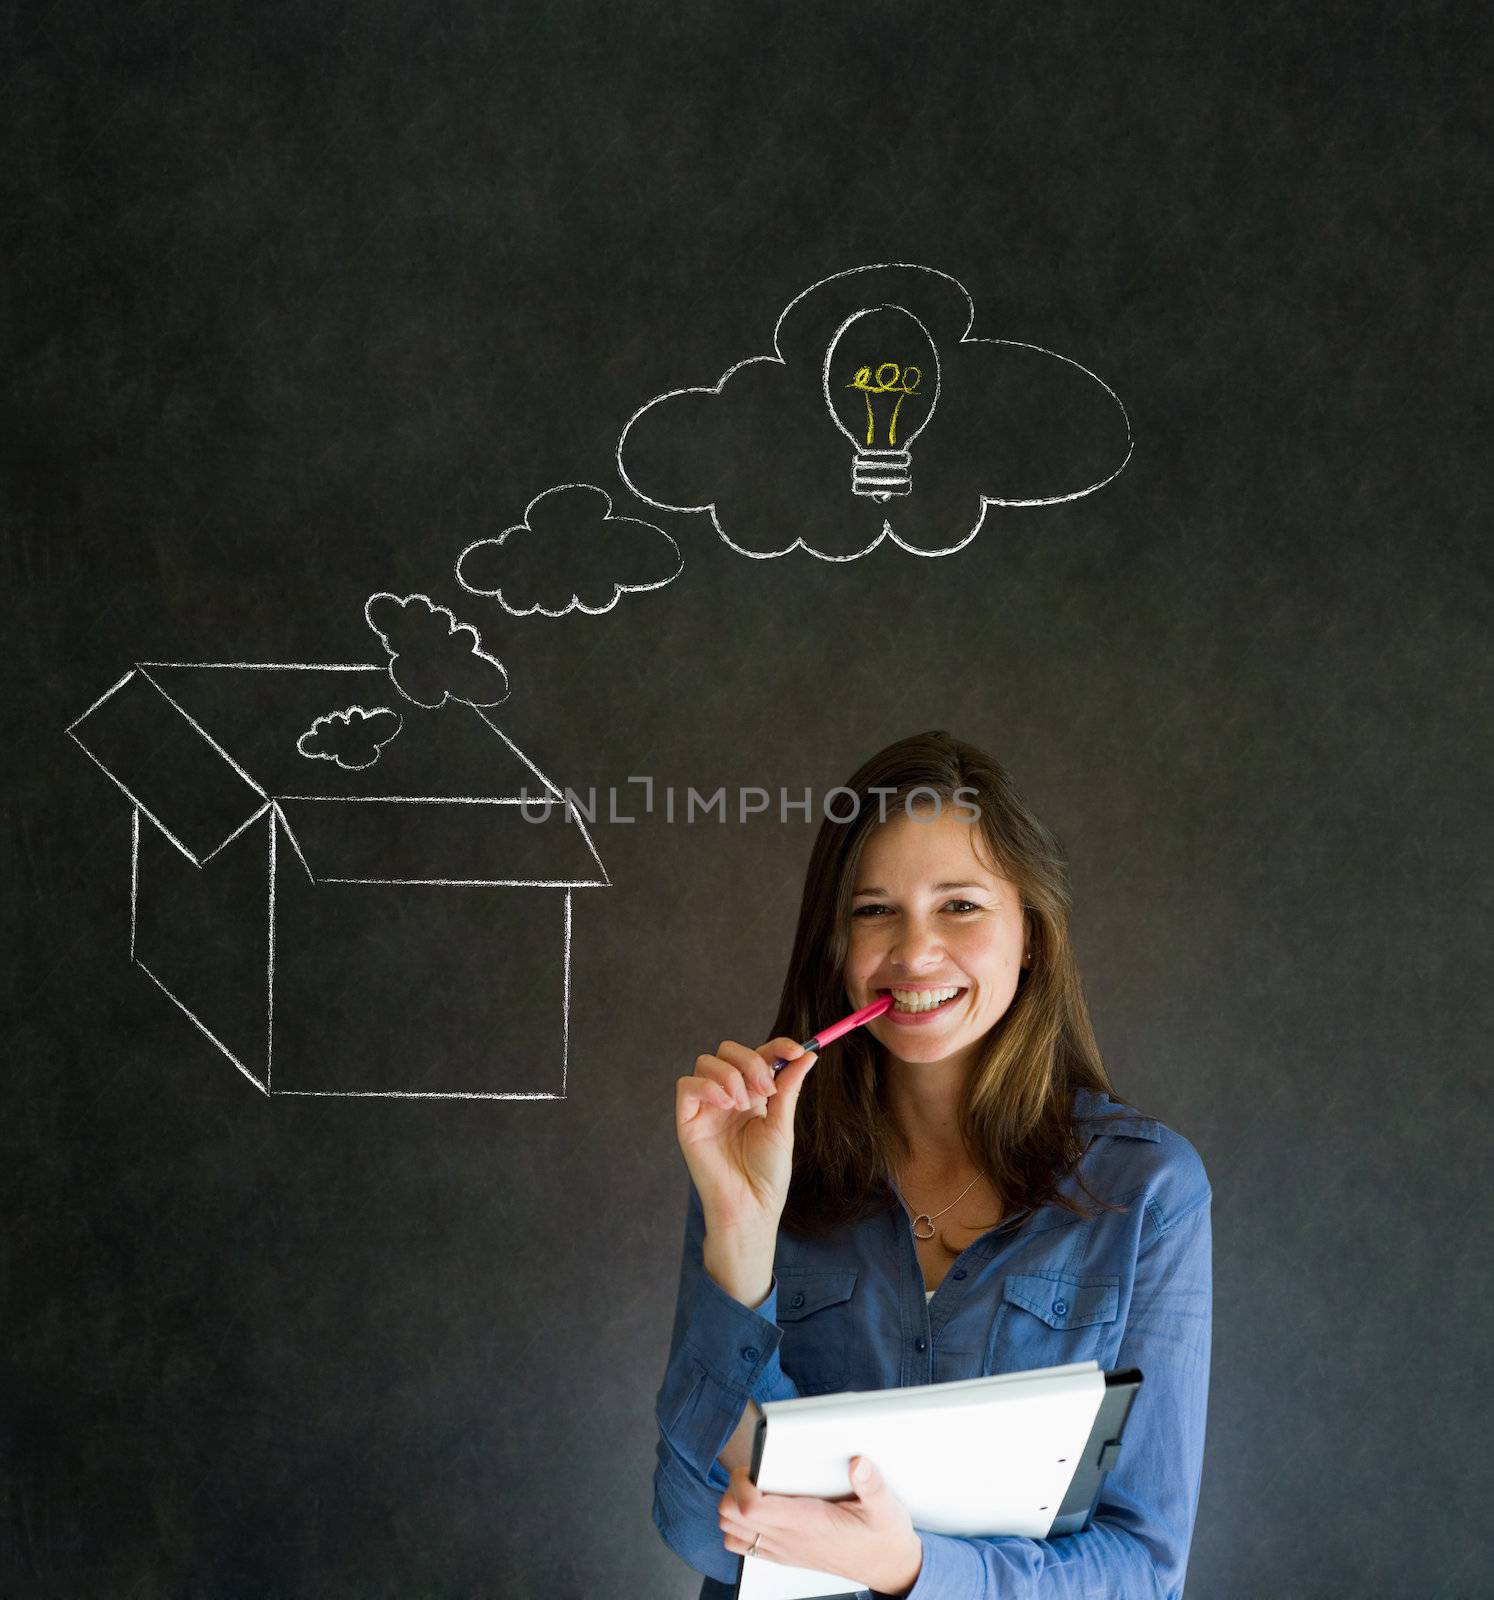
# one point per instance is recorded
(1098, 1116)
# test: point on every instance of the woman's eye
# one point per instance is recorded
(963, 908)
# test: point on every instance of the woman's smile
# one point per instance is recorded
(919, 1004)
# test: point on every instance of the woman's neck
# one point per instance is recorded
(923, 1099)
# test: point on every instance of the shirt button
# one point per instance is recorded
(959, 1272)
(798, 1300)
(749, 1352)
(920, 1345)
(1060, 1308)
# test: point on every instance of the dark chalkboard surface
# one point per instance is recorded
(434, 452)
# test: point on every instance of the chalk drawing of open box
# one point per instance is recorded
(399, 929)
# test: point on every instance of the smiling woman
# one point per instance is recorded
(907, 1208)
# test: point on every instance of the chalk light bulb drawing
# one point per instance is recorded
(881, 382)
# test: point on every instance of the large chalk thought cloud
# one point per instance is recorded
(878, 416)
(569, 554)
(434, 658)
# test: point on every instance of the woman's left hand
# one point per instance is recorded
(869, 1538)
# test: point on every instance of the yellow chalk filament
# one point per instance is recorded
(890, 379)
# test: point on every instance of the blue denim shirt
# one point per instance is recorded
(1130, 1289)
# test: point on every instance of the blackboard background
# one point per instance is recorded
(302, 298)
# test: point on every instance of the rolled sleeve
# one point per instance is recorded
(728, 1355)
(722, 1354)
(1136, 1547)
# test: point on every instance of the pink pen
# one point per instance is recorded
(834, 1031)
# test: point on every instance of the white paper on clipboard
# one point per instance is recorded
(977, 1457)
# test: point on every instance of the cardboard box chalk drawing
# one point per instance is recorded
(397, 927)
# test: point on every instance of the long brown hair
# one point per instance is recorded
(1015, 1111)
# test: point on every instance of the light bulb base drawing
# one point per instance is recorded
(882, 473)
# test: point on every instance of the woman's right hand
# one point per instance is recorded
(735, 1123)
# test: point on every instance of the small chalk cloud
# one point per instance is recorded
(352, 738)
(434, 658)
(880, 415)
(570, 553)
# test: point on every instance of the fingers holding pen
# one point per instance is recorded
(699, 1093)
(735, 1079)
(752, 1069)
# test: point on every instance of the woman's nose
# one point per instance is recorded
(917, 947)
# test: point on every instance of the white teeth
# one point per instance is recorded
(921, 999)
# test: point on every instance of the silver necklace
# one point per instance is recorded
(924, 1216)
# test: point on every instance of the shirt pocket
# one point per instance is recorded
(1048, 1319)
(814, 1312)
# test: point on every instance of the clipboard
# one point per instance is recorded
(1081, 1498)
(1101, 1451)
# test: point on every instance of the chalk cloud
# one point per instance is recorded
(569, 553)
(766, 451)
(434, 658)
(352, 738)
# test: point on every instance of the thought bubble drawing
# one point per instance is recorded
(433, 657)
(352, 738)
(569, 554)
(813, 447)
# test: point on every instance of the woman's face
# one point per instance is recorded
(927, 917)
